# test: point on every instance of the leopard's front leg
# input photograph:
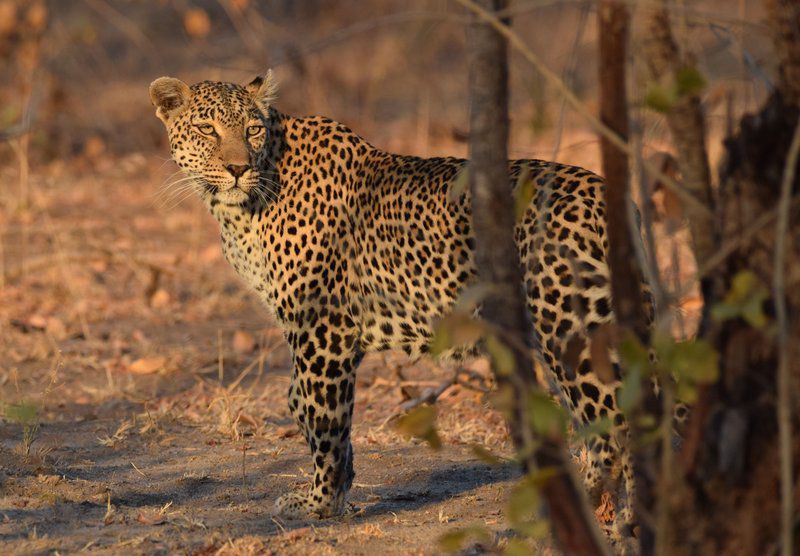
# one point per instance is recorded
(321, 399)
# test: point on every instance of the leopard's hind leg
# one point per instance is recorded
(567, 284)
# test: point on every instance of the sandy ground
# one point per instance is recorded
(155, 390)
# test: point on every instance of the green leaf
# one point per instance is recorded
(471, 296)
(420, 422)
(689, 81)
(503, 399)
(516, 547)
(600, 426)
(539, 476)
(501, 356)
(455, 330)
(485, 455)
(686, 392)
(630, 391)
(524, 505)
(634, 355)
(453, 541)
(545, 416)
(524, 502)
(696, 360)
(691, 362)
(460, 184)
(659, 98)
(744, 299)
(536, 529)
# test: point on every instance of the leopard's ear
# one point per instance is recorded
(170, 96)
(264, 90)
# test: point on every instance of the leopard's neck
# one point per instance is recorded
(304, 158)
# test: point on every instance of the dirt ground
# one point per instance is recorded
(154, 386)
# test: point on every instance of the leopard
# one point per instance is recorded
(354, 249)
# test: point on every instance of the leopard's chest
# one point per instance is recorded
(245, 250)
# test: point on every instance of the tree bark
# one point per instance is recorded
(736, 499)
(498, 264)
(626, 275)
(625, 286)
(686, 123)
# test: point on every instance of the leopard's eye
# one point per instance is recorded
(206, 129)
(254, 131)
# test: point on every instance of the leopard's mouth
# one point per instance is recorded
(235, 195)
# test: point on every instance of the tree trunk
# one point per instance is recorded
(498, 265)
(686, 123)
(626, 275)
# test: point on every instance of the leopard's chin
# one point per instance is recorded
(233, 196)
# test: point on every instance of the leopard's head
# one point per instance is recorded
(217, 132)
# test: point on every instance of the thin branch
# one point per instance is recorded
(429, 395)
(14, 131)
(784, 414)
(516, 41)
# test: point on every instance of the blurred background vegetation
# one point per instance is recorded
(394, 70)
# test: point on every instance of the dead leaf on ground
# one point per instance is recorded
(56, 328)
(38, 322)
(159, 299)
(147, 365)
(296, 534)
(287, 432)
(247, 420)
(243, 342)
(210, 254)
(151, 517)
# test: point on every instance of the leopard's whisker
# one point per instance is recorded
(169, 195)
(175, 202)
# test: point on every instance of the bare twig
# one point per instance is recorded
(783, 379)
(432, 393)
(15, 131)
(429, 395)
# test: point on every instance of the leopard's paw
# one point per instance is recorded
(304, 505)
(294, 505)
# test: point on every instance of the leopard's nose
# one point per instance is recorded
(237, 170)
